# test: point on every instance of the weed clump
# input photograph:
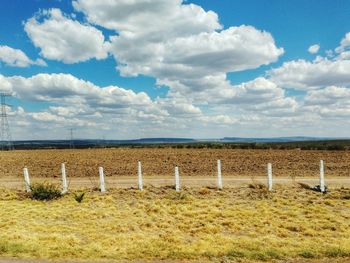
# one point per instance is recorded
(308, 254)
(258, 191)
(45, 191)
(79, 197)
(337, 252)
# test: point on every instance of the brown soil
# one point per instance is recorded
(161, 162)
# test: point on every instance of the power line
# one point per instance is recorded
(6, 138)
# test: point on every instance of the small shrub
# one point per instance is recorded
(234, 253)
(45, 191)
(337, 252)
(79, 197)
(308, 254)
(13, 248)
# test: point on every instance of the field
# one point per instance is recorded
(161, 162)
(242, 223)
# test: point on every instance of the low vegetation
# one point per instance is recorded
(332, 145)
(45, 191)
(238, 224)
(79, 196)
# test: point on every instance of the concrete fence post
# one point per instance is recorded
(219, 176)
(177, 179)
(139, 175)
(64, 179)
(26, 179)
(269, 176)
(102, 180)
(322, 184)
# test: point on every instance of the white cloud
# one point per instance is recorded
(314, 49)
(260, 96)
(182, 44)
(178, 106)
(67, 89)
(187, 49)
(17, 58)
(328, 96)
(219, 120)
(321, 72)
(302, 74)
(61, 38)
(113, 110)
(76, 98)
(234, 49)
(156, 20)
(329, 102)
(344, 44)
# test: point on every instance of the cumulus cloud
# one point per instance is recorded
(321, 72)
(328, 96)
(17, 58)
(61, 38)
(302, 74)
(329, 102)
(77, 98)
(65, 88)
(175, 106)
(75, 102)
(182, 44)
(219, 120)
(185, 48)
(314, 49)
(259, 96)
(156, 20)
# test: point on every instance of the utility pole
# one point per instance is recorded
(104, 141)
(71, 143)
(6, 138)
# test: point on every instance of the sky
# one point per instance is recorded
(128, 69)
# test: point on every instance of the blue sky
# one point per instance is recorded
(176, 69)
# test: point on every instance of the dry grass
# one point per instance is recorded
(242, 224)
(161, 162)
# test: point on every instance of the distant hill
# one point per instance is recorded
(279, 139)
(301, 142)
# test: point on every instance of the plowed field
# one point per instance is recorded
(161, 162)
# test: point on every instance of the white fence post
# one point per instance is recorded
(102, 180)
(269, 176)
(322, 184)
(139, 174)
(64, 179)
(219, 176)
(26, 179)
(177, 179)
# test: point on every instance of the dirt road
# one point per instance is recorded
(185, 181)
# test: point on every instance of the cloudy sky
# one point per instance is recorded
(123, 69)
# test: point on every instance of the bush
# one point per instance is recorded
(45, 191)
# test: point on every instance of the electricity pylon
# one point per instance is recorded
(6, 138)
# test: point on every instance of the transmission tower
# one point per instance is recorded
(6, 138)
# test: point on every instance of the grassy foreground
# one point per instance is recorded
(238, 224)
